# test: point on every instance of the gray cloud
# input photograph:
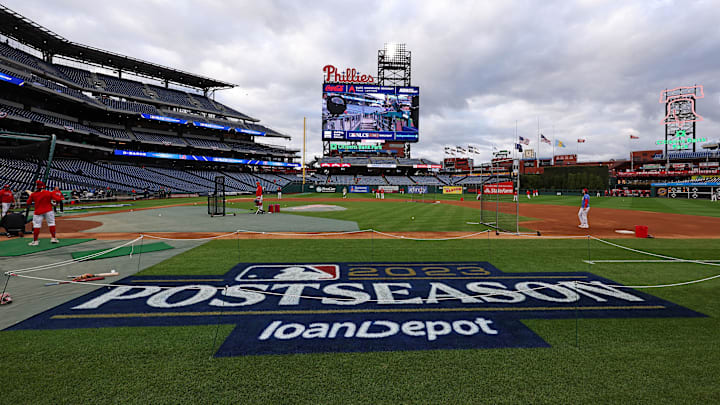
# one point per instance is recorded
(590, 69)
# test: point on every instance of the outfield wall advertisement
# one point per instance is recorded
(452, 190)
(505, 187)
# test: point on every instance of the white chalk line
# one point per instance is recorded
(667, 258)
(620, 261)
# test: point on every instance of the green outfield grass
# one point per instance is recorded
(398, 215)
(702, 207)
(671, 360)
(665, 205)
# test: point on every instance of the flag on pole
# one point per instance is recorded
(581, 140)
(524, 141)
(518, 147)
(559, 143)
(634, 137)
(543, 139)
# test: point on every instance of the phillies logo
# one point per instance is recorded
(348, 76)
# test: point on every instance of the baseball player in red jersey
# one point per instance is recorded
(7, 199)
(43, 210)
(259, 192)
(59, 197)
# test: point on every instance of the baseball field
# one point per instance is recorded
(358, 300)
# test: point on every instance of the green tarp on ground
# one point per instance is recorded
(19, 246)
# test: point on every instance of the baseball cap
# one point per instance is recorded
(39, 184)
(6, 186)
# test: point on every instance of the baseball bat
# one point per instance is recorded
(79, 281)
(111, 274)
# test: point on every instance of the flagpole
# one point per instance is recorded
(552, 159)
(537, 154)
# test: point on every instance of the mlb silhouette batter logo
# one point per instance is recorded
(290, 272)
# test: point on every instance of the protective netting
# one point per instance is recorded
(22, 162)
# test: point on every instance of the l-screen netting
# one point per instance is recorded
(498, 209)
(216, 199)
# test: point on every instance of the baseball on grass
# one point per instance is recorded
(413, 218)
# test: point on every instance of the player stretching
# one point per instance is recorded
(259, 198)
(7, 199)
(584, 208)
(43, 200)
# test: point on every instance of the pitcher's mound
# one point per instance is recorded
(314, 208)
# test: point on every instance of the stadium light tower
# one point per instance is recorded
(394, 65)
(394, 69)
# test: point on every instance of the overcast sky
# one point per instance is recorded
(591, 69)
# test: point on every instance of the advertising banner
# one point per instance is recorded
(334, 164)
(11, 79)
(417, 189)
(506, 187)
(177, 156)
(325, 189)
(390, 189)
(359, 189)
(452, 189)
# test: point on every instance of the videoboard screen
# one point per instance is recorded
(354, 112)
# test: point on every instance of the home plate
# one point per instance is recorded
(315, 208)
(625, 231)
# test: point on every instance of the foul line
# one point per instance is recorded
(348, 311)
(652, 261)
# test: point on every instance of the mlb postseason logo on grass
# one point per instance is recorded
(282, 308)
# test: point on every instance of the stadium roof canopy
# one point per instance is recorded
(33, 35)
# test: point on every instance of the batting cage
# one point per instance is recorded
(24, 159)
(216, 198)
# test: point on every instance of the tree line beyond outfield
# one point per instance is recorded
(568, 178)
